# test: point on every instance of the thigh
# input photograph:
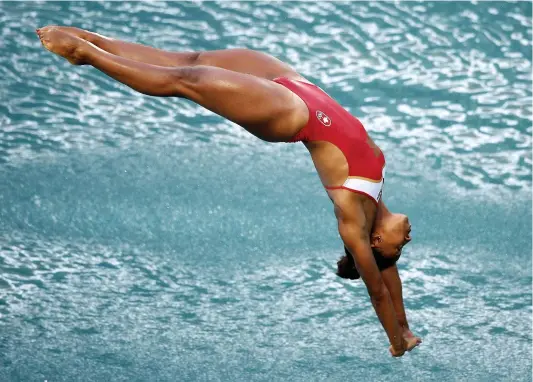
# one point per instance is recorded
(265, 108)
(248, 61)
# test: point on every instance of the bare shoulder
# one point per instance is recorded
(346, 203)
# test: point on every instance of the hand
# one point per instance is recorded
(412, 340)
(398, 352)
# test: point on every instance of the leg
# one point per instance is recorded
(238, 60)
(264, 108)
(135, 52)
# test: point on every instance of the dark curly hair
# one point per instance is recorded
(346, 266)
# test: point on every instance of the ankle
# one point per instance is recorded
(80, 54)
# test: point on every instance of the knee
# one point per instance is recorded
(188, 81)
(219, 58)
(196, 58)
(191, 75)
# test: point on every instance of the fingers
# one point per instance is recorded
(395, 353)
(413, 342)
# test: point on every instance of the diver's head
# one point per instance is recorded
(391, 232)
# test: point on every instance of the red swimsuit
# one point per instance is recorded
(328, 121)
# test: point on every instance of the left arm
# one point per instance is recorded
(392, 280)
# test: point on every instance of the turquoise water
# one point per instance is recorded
(146, 239)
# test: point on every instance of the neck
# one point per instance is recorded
(381, 213)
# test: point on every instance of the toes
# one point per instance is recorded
(44, 30)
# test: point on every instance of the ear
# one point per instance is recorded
(375, 240)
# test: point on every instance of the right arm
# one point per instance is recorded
(393, 282)
(391, 277)
(353, 229)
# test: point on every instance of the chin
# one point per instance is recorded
(384, 254)
(379, 252)
(393, 256)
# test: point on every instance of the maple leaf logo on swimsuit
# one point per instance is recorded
(323, 118)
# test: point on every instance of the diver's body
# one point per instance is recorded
(276, 104)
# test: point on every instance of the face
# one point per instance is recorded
(392, 234)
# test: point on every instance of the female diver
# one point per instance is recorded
(276, 104)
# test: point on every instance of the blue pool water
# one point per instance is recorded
(146, 239)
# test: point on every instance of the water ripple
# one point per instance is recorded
(415, 74)
(145, 238)
(298, 302)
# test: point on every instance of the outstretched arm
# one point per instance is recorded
(391, 277)
(353, 229)
(392, 280)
